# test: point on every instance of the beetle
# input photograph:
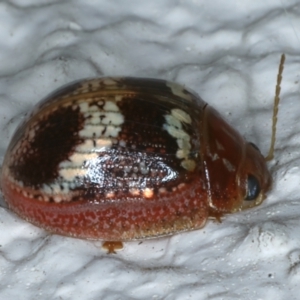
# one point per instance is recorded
(120, 159)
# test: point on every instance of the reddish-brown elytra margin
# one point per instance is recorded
(120, 159)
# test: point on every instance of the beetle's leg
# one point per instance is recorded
(112, 246)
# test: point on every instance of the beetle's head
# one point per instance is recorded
(254, 177)
(235, 173)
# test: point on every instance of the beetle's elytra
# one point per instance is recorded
(128, 158)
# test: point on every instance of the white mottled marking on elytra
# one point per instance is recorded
(176, 133)
(90, 131)
(184, 144)
(182, 153)
(104, 118)
(94, 119)
(110, 106)
(112, 131)
(71, 174)
(230, 167)
(56, 189)
(188, 164)
(65, 186)
(84, 107)
(77, 159)
(114, 118)
(178, 90)
(174, 126)
(102, 144)
(181, 115)
(93, 108)
(171, 120)
(86, 146)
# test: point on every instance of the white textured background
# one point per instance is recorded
(228, 52)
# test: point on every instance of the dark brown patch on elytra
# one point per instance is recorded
(144, 120)
(54, 141)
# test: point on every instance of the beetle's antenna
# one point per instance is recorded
(270, 155)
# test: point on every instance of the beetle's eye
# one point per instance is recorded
(253, 188)
(254, 146)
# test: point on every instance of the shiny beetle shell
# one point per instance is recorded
(128, 158)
